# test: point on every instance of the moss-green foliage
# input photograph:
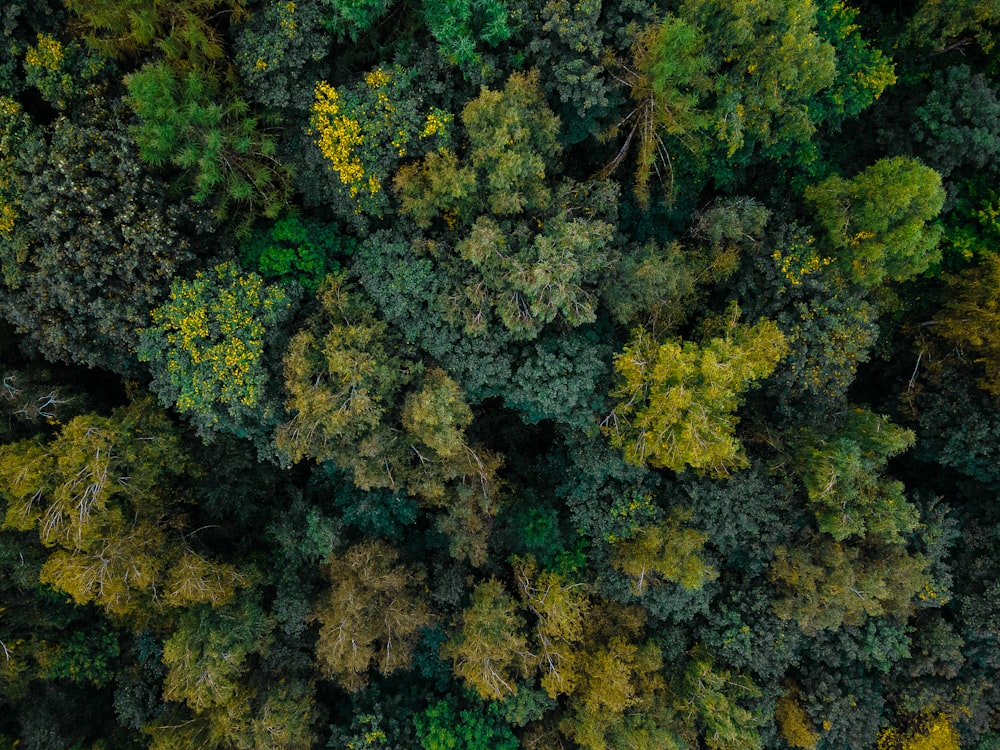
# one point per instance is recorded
(879, 223)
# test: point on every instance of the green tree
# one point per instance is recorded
(880, 222)
(843, 475)
(225, 151)
(769, 61)
(439, 727)
(708, 699)
(206, 349)
(489, 649)
(296, 249)
(371, 616)
(667, 79)
(677, 399)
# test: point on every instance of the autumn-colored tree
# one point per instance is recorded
(181, 29)
(560, 609)
(663, 551)
(677, 399)
(828, 584)
(101, 493)
(489, 649)
(971, 317)
(372, 614)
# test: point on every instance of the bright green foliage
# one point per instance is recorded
(351, 18)
(667, 80)
(206, 349)
(186, 119)
(863, 73)
(677, 399)
(843, 474)
(560, 609)
(439, 728)
(489, 649)
(82, 657)
(181, 29)
(879, 222)
(828, 584)
(458, 25)
(294, 249)
(708, 698)
(770, 62)
(971, 317)
(663, 551)
(372, 614)
(88, 241)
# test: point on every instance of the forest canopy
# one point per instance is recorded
(496, 374)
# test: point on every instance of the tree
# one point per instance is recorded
(828, 584)
(181, 29)
(361, 134)
(769, 62)
(879, 221)
(188, 120)
(489, 649)
(357, 402)
(843, 477)
(677, 399)
(708, 698)
(88, 240)
(667, 80)
(970, 317)
(206, 349)
(561, 609)
(101, 493)
(665, 550)
(296, 249)
(372, 614)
